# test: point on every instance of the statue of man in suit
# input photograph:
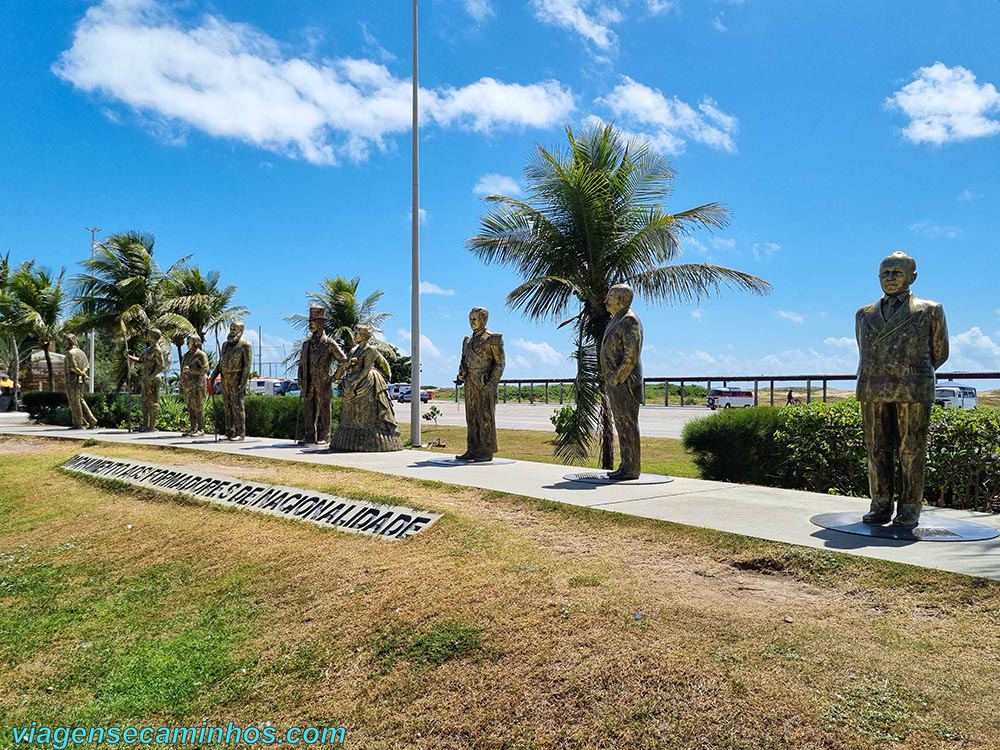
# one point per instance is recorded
(481, 367)
(902, 340)
(316, 376)
(235, 362)
(622, 372)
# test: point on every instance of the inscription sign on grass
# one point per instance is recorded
(357, 516)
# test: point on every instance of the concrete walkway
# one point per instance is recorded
(764, 512)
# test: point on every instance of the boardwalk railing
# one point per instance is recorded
(561, 389)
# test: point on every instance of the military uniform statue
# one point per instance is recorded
(621, 369)
(77, 372)
(316, 377)
(151, 362)
(902, 340)
(194, 368)
(481, 369)
(235, 362)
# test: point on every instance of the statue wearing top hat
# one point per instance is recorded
(902, 340)
(316, 376)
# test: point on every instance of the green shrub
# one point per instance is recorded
(963, 459)
(268, 416)
(823, 448)
(41, 404)
(737, 445)
(562, 418)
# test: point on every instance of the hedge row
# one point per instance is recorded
(267, 416)
(820, 448)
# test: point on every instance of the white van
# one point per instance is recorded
(952, 395)
(264, 386)
(729, 398)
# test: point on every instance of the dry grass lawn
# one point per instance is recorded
(511, 623)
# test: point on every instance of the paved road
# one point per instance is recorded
(654, 421)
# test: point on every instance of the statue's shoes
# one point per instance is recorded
(479, 459)
(902, 522)
(467, 456)
(877, 518)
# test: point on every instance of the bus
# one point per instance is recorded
(953, 395)
(729, 398)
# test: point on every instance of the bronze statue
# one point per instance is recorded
(367, 423)
(77, 372)
(316, 378)
(621, 369)
(235, 361)
(481, 369)
(194, 368)
(902, 340)
(152, 362)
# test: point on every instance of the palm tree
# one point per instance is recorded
(124, 293)
(594, 218)
(8, 325)
(344, 310)
(201, 301)
(34, 305)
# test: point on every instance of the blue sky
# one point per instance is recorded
(272, 142)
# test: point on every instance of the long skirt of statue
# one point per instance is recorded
(367, 423)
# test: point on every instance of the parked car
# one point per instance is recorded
(284, 386)
(407, 396)
(728, 398)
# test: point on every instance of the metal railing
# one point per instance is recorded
(524, 389)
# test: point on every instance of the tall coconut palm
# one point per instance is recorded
(124, 292)
(202, 302)
(594, 217)
(36, 303)
(344, 309)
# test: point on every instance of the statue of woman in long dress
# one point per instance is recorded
(367, 422)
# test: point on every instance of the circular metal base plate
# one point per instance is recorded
(932, 528)
(601, 477)
(456, 462)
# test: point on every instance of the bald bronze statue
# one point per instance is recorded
(621, 369)
(235, 361)
(480, 369)
(902, 340)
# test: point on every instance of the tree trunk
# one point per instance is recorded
(16, 376)
(48, 363)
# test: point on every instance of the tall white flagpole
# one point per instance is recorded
(415, 260)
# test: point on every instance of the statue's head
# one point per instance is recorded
(235, 331)
(193, 341)
(619, 298)
(71, 340)
(896, 273)
(153, 335)
(362, 334)
(317, 318)
(478, 317)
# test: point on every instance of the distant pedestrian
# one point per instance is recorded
(791, 398)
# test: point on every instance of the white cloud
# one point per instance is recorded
(718, 25)
(792, 316)
(973, 350)
(372, 44)
(429, 351)
(659, 7)
(573, 15)
(669, 123)
(765, 250)
(720, 243)
(497, 184)
(843, 342)
(231, 81)
(947, 104)
(968, 196)
(542, 351)
(429, 287)
(480, 10)
(928, 229)
(697, 314)
(695, 244)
